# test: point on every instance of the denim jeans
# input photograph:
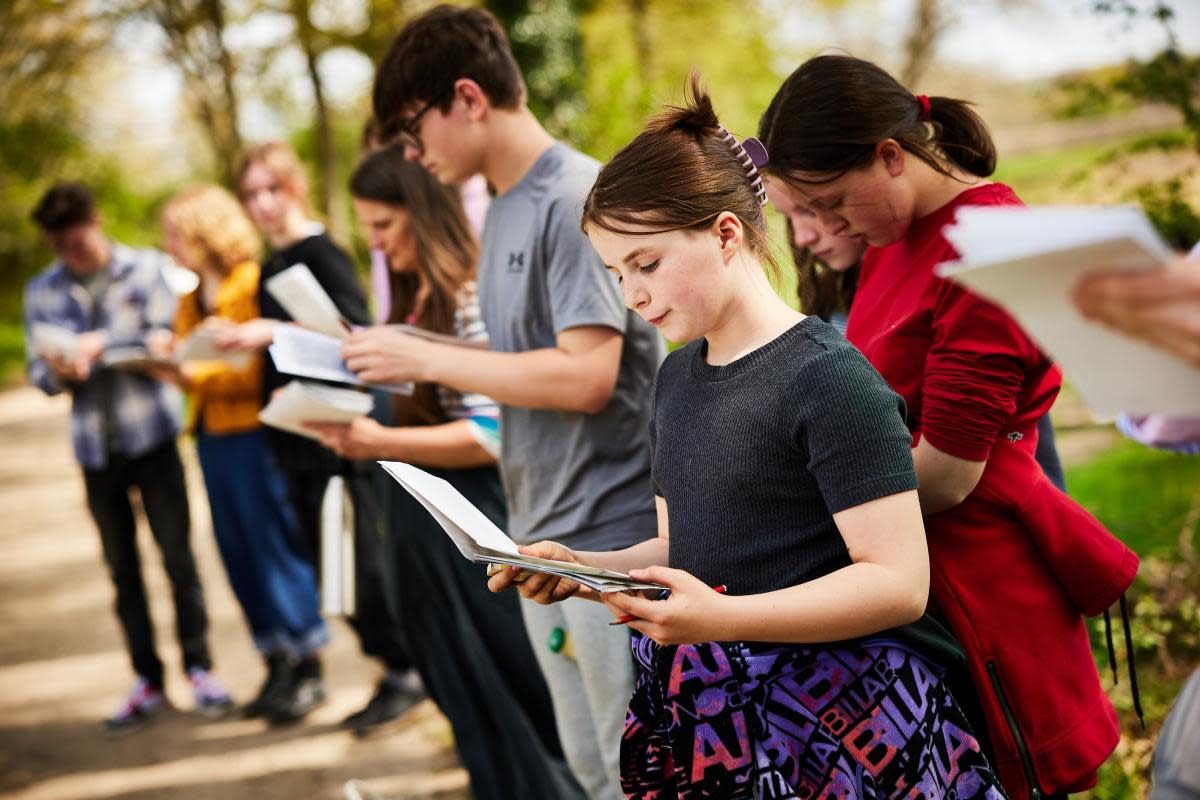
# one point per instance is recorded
(259, 539)
(158, 477)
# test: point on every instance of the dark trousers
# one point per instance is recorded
(377, 620)
(158, 477)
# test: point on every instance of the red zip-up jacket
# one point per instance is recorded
(1016, 565)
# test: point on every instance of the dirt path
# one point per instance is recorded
(63, 665)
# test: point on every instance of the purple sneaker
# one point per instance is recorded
(143, 702)
(211, 698)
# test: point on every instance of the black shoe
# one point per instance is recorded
(280, 669)
(392, 698)
(306, 694)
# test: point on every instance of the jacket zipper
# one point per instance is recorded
(1026, 762)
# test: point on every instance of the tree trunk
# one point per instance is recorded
(326, 158)
(929, 23)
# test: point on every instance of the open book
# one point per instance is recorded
(479, 540)
(1028, 261)
(308, 354)
(199, 346)
(298, 291)
(299, 402)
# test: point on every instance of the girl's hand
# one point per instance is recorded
(255, 334)
(382, 354)
(540, 587)
(160, 343)
(357, 441)
(692, 613)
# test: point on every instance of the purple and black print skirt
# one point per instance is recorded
(768, 722)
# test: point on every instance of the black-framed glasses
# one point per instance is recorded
(407, 134)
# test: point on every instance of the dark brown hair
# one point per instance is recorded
(436, 49)
(822, 291)
(832, 111)
(678, 174)
(65, 205)
(446, 252)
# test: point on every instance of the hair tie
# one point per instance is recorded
(923, 101)
(751, 155)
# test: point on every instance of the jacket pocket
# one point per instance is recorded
(1035, 793)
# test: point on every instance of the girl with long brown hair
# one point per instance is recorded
(782, 473)
(472, 652)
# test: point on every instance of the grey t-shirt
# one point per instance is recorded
(582, 479)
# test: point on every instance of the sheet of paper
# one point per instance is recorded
(1028, 261)
(201, 345)
(298, 402)
(478, 538)
(54, 340)
(309, 354)
(298, 291)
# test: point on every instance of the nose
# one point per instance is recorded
(804, 234)
(636, 296)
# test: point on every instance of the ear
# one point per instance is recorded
(891, 154)
(727, 229)
(474, 98)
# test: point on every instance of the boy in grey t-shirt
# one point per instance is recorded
(570, 366)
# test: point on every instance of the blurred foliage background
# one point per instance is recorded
(83, 81)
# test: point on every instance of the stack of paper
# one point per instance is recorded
(298, 291)
(301, 402)
(1028, 260)
(479, 540)
(309, 354)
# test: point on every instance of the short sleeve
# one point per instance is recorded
(851, 426)
(581, 291)
(974, 373)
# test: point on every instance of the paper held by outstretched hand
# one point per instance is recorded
(297, 290)
(1028, 261)
(308, 354)
(479, 540)
(200, 346)
(299, 402)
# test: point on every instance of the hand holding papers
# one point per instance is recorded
(479, 540)
(301, 402)
(302, 297)
(54, 341)
(199, 346)
(1029, 260)
(309, 354)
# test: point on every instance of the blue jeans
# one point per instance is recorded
(259, 541)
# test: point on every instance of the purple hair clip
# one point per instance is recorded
(751, 155)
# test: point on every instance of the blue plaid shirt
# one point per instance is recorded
(143, 413)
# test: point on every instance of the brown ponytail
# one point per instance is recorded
(832, 111)
(678, 174)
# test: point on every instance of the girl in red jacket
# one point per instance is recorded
(1015, 563)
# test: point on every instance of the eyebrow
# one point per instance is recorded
(629, 259)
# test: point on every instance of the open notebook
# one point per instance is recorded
(1028, 261)
(479, 540)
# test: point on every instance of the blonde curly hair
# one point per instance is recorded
(213, 228)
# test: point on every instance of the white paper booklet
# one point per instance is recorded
(479, 540)
(300, 402)
(54, 340)
(297, 290)
(1028, 260)
(308, 354)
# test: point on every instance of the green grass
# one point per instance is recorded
(12, 350)
(1140, 494)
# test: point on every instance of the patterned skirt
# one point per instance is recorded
(747, 720)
